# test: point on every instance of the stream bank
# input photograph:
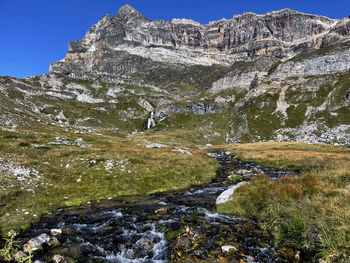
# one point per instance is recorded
(176, 226)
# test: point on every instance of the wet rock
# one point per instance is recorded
(287, 253)
(227, 195)
(106, 229)
(36, 243)
(161, 211)
(53, 242)
(58, 258)
(56, 232)
(68, 252)
(228, 248)
(184, 243)
(67, 231)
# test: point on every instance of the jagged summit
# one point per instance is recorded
(129, 42)
(127, 12)
(127, 9)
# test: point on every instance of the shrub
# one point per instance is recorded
(11, 253)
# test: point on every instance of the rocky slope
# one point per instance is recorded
(279, 76)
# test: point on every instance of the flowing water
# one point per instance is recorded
(175, 226)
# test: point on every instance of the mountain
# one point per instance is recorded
(279, 76)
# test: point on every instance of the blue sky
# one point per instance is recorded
(34, 33)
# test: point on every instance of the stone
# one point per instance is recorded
(56, 232)
(176, 149)
(58, 258)
(227, 195)
(156, 145)
(36, 243)
(200, 108)
(228, 248)
(183, 243)
(53, 242)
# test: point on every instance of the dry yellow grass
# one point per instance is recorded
(289, 154)
(310, 212)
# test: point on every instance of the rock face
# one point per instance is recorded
(129, 42)
(331, 62)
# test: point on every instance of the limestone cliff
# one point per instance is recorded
(129, 42)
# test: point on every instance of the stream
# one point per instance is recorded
(174, 226)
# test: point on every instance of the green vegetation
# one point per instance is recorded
(11, 253)
(311, 212)
(76, 168)
(316, 52)
(187, 78)
(262, 121)
(295, 115)
(273, 69)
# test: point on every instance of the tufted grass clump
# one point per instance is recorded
(310, 212)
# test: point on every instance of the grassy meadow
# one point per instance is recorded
(310, 212)
(44, 169)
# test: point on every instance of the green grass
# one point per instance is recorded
(273, 69)
(72, 175)
(310, 212)
(316, 52)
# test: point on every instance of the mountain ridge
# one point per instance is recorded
(257, 90)
(244, 37)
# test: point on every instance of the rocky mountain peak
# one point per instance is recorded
(129, 42)
(127, 12)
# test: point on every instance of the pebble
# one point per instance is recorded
(228, 248)
(56, 231)
(156, 145)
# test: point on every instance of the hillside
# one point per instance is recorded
(228, 78)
